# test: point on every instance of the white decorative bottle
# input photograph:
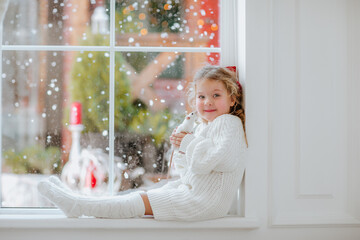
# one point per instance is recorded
(71, 171)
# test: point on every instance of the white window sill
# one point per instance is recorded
(60, 221)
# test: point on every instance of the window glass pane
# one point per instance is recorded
(38, 94)
(158, 83)
(171, 23)
(52, 22)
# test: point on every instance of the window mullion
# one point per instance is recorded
(112, 98)
(1, 29)
(2, 15)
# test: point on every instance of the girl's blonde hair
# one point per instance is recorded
(229, 79)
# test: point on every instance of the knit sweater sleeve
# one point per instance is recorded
(172, 184)
(180, 163)
(221, 151)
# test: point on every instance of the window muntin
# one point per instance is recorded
(47, 82)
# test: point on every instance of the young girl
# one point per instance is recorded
(210, 162)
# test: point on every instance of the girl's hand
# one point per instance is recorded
(176, 138)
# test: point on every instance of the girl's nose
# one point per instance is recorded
(208, 101)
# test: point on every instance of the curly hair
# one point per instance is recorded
(230, 81)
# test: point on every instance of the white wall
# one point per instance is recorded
(309, 156)
(302, 84)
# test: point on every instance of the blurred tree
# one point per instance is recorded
(165, 16)
(90, 86)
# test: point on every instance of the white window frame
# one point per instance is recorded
(232, 39)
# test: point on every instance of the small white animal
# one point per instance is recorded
(188, 124)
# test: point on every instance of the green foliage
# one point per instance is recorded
(139, 60)
(34, 159)
(165, 16)
(90, 86)
(162, 16)
(145, 122)
(127, 21)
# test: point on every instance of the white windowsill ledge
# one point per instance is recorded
(60, 221)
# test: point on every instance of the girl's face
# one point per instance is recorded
(212, 99)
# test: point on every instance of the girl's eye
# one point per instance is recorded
(216, 95)
(201, 97)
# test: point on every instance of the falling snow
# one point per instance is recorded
(28, 83)
(180, 87)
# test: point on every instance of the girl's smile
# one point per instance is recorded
(212, 99)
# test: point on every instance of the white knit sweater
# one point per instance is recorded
(210, 172)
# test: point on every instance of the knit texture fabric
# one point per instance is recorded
(73, 205)
(210, 173)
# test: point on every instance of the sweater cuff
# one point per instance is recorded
(160, 202)
(185, 142)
